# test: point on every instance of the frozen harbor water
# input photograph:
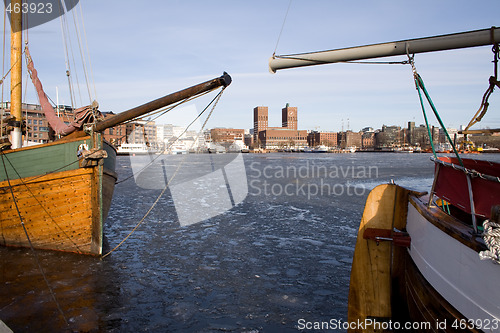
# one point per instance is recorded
(281, 255)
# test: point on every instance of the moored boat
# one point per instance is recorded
(427, 262)
(133, 149)
(56, 195)
(320, 149)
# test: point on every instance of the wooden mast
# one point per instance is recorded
(16, 72)
(410, 46)
(222, 81)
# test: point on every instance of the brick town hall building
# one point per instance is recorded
(286, 136)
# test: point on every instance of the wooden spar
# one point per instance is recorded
(16, 63)
(140, 110)
(410, 46)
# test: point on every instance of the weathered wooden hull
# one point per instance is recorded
(377, 267)
(53, 202)
(438, 283)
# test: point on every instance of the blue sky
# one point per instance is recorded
(141, 50)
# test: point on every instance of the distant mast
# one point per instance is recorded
(16, 40)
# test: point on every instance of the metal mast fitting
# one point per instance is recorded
(410, 46)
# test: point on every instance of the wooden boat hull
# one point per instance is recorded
(438, 281)
(377, 267)
(56, 210)
(445, 255)
(425, 305)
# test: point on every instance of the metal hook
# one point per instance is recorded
(411, 59)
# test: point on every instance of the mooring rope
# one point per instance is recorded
(216, 99)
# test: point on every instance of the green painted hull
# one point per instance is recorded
(53, 157)
(62, 202)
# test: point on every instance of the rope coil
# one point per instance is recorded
(491, 237)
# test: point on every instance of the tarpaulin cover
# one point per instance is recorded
(451, 185)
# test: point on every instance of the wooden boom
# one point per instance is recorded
(411, 46)
(143, 109)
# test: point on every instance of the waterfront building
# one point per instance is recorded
(329, 139)
(368, 140)
(248, 139)
(142, 131)
(289, 117)
(260, 121)
(452, 132)
(286, 136)
(223, 135)
(485, 140)
(389, 136)
(169, 135)
(280, 138)
(420, 136)
(115, 135)
(411, 133)
(349, 139)
(38, 129)
(37, 126)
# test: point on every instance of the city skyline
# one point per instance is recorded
(183, 44)
(262, 136)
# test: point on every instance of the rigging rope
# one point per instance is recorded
(402, 62)
(87, 48)
(216, 99)
(185, 130)
(419, 83)
(8, 72)
(319, 62)
(66, 54)
(71, 70)
(84, 64)
(282, 26)
(493, 82)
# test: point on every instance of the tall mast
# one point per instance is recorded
(16, 40)
(410, 46)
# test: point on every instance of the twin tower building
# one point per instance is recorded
(277, 137)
